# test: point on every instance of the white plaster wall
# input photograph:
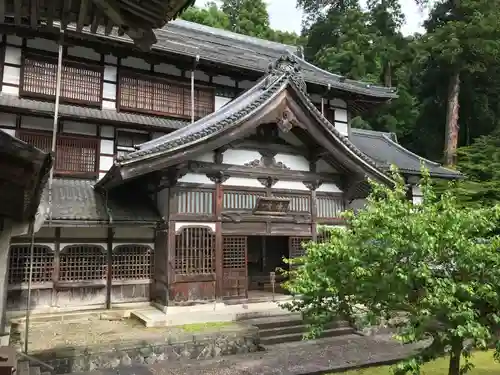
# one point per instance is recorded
(199, 76)
(98, 232)
(84, 52)
(11, 132)
(109, 87)
(240, 157)
(341, 117)
(417, 195)
(290, 185)
(12, 74)
(223, 80)
(168, 69)
(107, 149)
(241, 181)
(220, 101)
(157, 135)
(294, 162)
(134, 233)
(208, 157)
(196, 178)
(323, 167)
(73, 127)
(134, 62)
(37, 123)
(329, 188)
(246, 84)
(110, 59)
(42, 44)
(180, 225)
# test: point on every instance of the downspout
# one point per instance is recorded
(323, 99)
(195, 63)
(56, 117)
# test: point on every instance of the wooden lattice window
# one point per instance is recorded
(19, 264)
(159, 96)
(195, 251)
(195, 202)
(240, 200)
(297, 249)
(329, 206)
(234, 252)
(82, 263)
(132, 262)
(298, 203)
(75, 155)
(80, 82)
(127, 140)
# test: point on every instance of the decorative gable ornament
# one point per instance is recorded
(287, 65)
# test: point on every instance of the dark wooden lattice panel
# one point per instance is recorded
(74, 154)
(195, 252)
(159, 96)
(132, 262)
(240, 200)
(234, 264)
(195, 202)
(80, 82)
(330, 206)
(19, 264)
(82, 263)
(296, 249)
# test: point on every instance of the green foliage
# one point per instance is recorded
(436, 264)
(248, 17)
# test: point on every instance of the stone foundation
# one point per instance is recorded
(180, 347)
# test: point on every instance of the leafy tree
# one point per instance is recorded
(436, 264)
(248, 17)
(480, 163)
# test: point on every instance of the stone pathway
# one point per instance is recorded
(300, 358)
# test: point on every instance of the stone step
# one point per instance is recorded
(299, 328)
(281, 320)
(280, 339)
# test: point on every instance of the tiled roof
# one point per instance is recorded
(76, 200)
(385, 150)
(79, 112)
(241, 51)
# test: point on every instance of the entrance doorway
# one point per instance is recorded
(265, 255)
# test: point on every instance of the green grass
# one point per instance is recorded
(204, 327)
(483, 361)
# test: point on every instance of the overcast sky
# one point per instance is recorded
(285, 16)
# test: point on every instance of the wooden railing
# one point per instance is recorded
(75, 155)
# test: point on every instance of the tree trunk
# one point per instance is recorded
(452, 126)
(388, 74)
(455, 354)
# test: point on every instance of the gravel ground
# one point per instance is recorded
(286, 359)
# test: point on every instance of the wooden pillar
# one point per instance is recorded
(109, 267)
(219, 251)
(5, 236)
(57, 262)
(170, 248)
(314, 216)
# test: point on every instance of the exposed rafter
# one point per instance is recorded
(136, 18)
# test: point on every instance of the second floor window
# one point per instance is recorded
(162, 97)
(81, 83)
(75, 156)
(126, 141)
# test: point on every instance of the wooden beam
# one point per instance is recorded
(17, 12)
(260, 172)
(2, 11)
(34, 13)
(82, 15)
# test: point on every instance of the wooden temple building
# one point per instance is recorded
(183, 174)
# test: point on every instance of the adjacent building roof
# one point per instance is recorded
(23, 173)
(227, 123)
(241, 51)
(384, 149)
(75, 202)
(135, 18)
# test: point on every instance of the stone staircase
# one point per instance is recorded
(287, 328)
